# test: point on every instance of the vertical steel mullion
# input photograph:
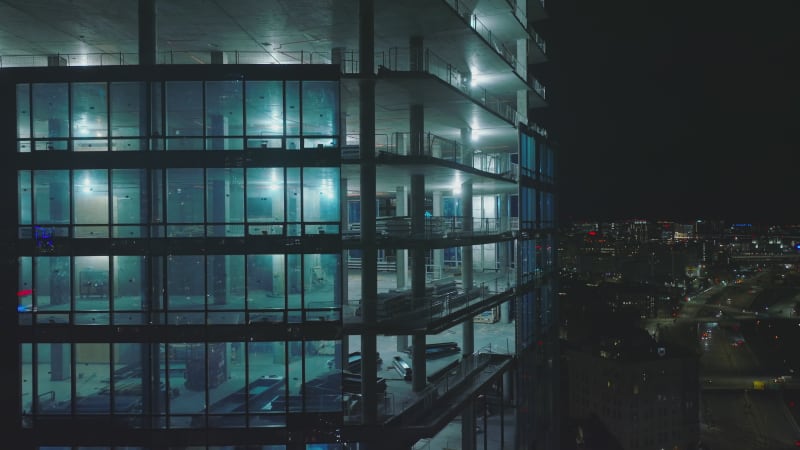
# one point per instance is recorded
(34, 378)
(300, 112)
(70, 146)
(72, 375)
(203, 112)
(111, 376)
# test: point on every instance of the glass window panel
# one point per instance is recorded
(294, 370)
(50, 114)
(264, 109)
(265, 199)
(92, 368)
(185, 201)
(266, 391)
(225, 286)
(91, 290)
(24, 197)
(156, 116)
(321, 285)
(89, 110)
(266, 285)
(226, 384)
(128, 100)
(157, 288)
(187, 380)
(224, 108)
(320, 108)
(52, 283)
(128, 376)
(321, 194)
(157, 202)
(184, 114)
(129, 202)
(130, 287)
(293, 200)
(51, 197)
(292, 108)
(323, 391)
(294, 282)
(53, 379)
(25, 290)
(90, 191)
(23, 111)
(185, 282)
(319, 143)
(225, 202)
(26, 387)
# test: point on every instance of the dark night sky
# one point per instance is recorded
(675, 110)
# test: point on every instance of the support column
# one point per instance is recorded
(504, 250)
(417, 127)
(219, 57)
(337, 58)
(148, 34)
(401, 200)
(369, 258)
(468, 426)
(468, 326)
(345, 219)
(401, 210)
(418, 367)
(438, 253)
(56, 61)
(416, 54)
(467, 147)
(508, 388)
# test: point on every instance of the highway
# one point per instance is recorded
(733, 414)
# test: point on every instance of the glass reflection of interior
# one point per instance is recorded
(216, 384)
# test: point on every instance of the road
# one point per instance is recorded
(733, 415)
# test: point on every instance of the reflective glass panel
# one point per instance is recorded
(320, 106)
(50, 113)
(321, 194)
(264, 108)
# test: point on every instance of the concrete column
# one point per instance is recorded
(522, 106)
(466, 251)
(369, 258)
(401, 200)
(467, 147)
(522, 56)
(219, 57)
(508, 388)
(416, 55)
(468, 326)
(417, 127)
(418, 368)
(438, 253)
(504, 250)
(402, 257)
(468, 426)
(345, 220)
(418, 228)
(148, 32)
(56, 61)
(337, 57)
(419, 371)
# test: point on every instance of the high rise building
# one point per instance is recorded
(277, 225)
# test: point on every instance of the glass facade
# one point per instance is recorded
(124, 242)
(177, 115)
(185, 258)
(195, 202)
